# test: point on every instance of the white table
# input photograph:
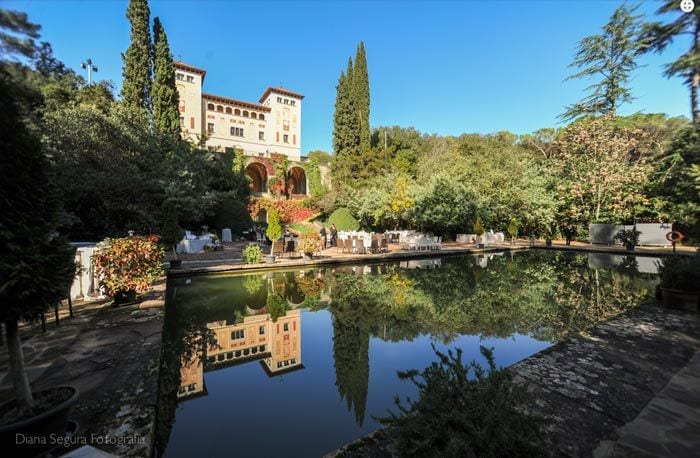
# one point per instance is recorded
(193, 246)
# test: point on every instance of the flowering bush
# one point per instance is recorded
(290, 211)
(129, 264)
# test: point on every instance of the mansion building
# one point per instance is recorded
(272, 125)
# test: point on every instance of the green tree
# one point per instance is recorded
(346, 139)
(137, 59)
(36, 267)
(166, 117)
(361, 97)
(611, 56)
(658, 35)
(274, 228)
(17, 34)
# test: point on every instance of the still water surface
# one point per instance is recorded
(299, 363)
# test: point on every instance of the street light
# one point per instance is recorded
(90, 68)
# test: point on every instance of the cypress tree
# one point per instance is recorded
(137, 59)
(166, 117)
(361, 96)
(346, 141)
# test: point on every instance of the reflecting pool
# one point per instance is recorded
(300, 362)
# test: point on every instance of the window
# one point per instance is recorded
(261, 117)
(190, 79)
(246, 352)
(219, 108)
(228, 110)
(211, 359)
(279, 99)
(293, 102)
(262, 347)
(285, 139)
(238, 334)
(220, 357)
(237, 112)
(210, 106)
(262, 330)
(254, 350)
(261, 135)
(254, 115)
(285, 327)
(245, 113)
(210, 127)
(191, 122)
(237, 131)
(179, 76)
(238, 354)
(286, 101)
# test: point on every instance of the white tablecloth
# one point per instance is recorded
(192, 246)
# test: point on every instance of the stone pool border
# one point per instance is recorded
(226, 266)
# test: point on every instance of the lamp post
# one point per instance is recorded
(87, 65)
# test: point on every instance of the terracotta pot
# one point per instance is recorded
(687, 300)
(43, 430)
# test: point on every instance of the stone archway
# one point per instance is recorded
(258, 177)
(296, 181)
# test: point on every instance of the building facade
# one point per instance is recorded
(272, 125)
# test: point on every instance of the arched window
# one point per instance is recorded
(296, 179)
(261, 117)
(219, 108)
(210, 106)
(237, 112)
(254, 115)
(245, 113)
(258, 177)
(228, 110)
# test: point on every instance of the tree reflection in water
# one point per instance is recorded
(547, 295)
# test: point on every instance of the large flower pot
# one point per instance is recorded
(37, 435)
(687, 300)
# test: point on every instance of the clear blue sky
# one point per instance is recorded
(445, 68)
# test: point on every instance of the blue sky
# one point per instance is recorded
(446, 68)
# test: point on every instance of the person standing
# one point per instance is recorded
(334, 235)
(322, 233)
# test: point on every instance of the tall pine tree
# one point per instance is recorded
(346, 129)
(137, 59)
(361, 96)
(611, 56)
(166, 117)
(658, 35)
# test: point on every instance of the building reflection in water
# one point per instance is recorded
(275, 344)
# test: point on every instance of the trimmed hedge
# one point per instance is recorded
(343, 220)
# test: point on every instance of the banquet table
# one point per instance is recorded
(193, 245)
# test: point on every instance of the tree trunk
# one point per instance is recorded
(694, 83)
(23, 391)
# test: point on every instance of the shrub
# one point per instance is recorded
(308, 243)
(456, 415)
(513, 228)
(171, 233)
(479, 227)
(628, 237)
(129, 264)
(680, 273)
(343, 220)
(252, 254)
(231, 214)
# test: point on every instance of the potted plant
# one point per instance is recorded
(172, 233)
(128, 265)
(308, 244)
(37, 268)
(513, 230)
(479, 231)
(629, 238)
(680, 281)
(273, 232)
(252, 254)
